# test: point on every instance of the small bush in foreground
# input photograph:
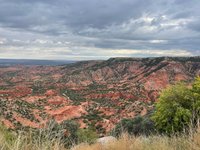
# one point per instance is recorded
(136, 126)
(87, 135)
(65, 132)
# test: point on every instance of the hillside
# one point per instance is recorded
(93, 93)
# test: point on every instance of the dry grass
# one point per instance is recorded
(125, 142)
(22, 143)
(11, 141)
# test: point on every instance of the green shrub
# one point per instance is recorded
(196, 102)
(87, 135)
(7, 135)
(136, 126)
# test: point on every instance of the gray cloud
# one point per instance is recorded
(89, 29)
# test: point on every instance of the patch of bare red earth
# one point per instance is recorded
(7, 123)
(66, 112)
(25, 122)
(111, 95)
(16, 92)
(33, 99)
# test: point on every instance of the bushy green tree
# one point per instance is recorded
(136, 126)
(177, 108)
(196, 101)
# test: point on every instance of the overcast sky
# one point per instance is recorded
(98, 29)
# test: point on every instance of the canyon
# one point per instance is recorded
(95, 93)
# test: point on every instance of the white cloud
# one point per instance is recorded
(3, 41)
(158, 41)
(151, 52)
(40, 41)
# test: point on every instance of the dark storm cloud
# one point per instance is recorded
(195, 25)
(79, 27)
(75, 14)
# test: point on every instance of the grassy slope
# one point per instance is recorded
(126, 142)
(8, 141)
